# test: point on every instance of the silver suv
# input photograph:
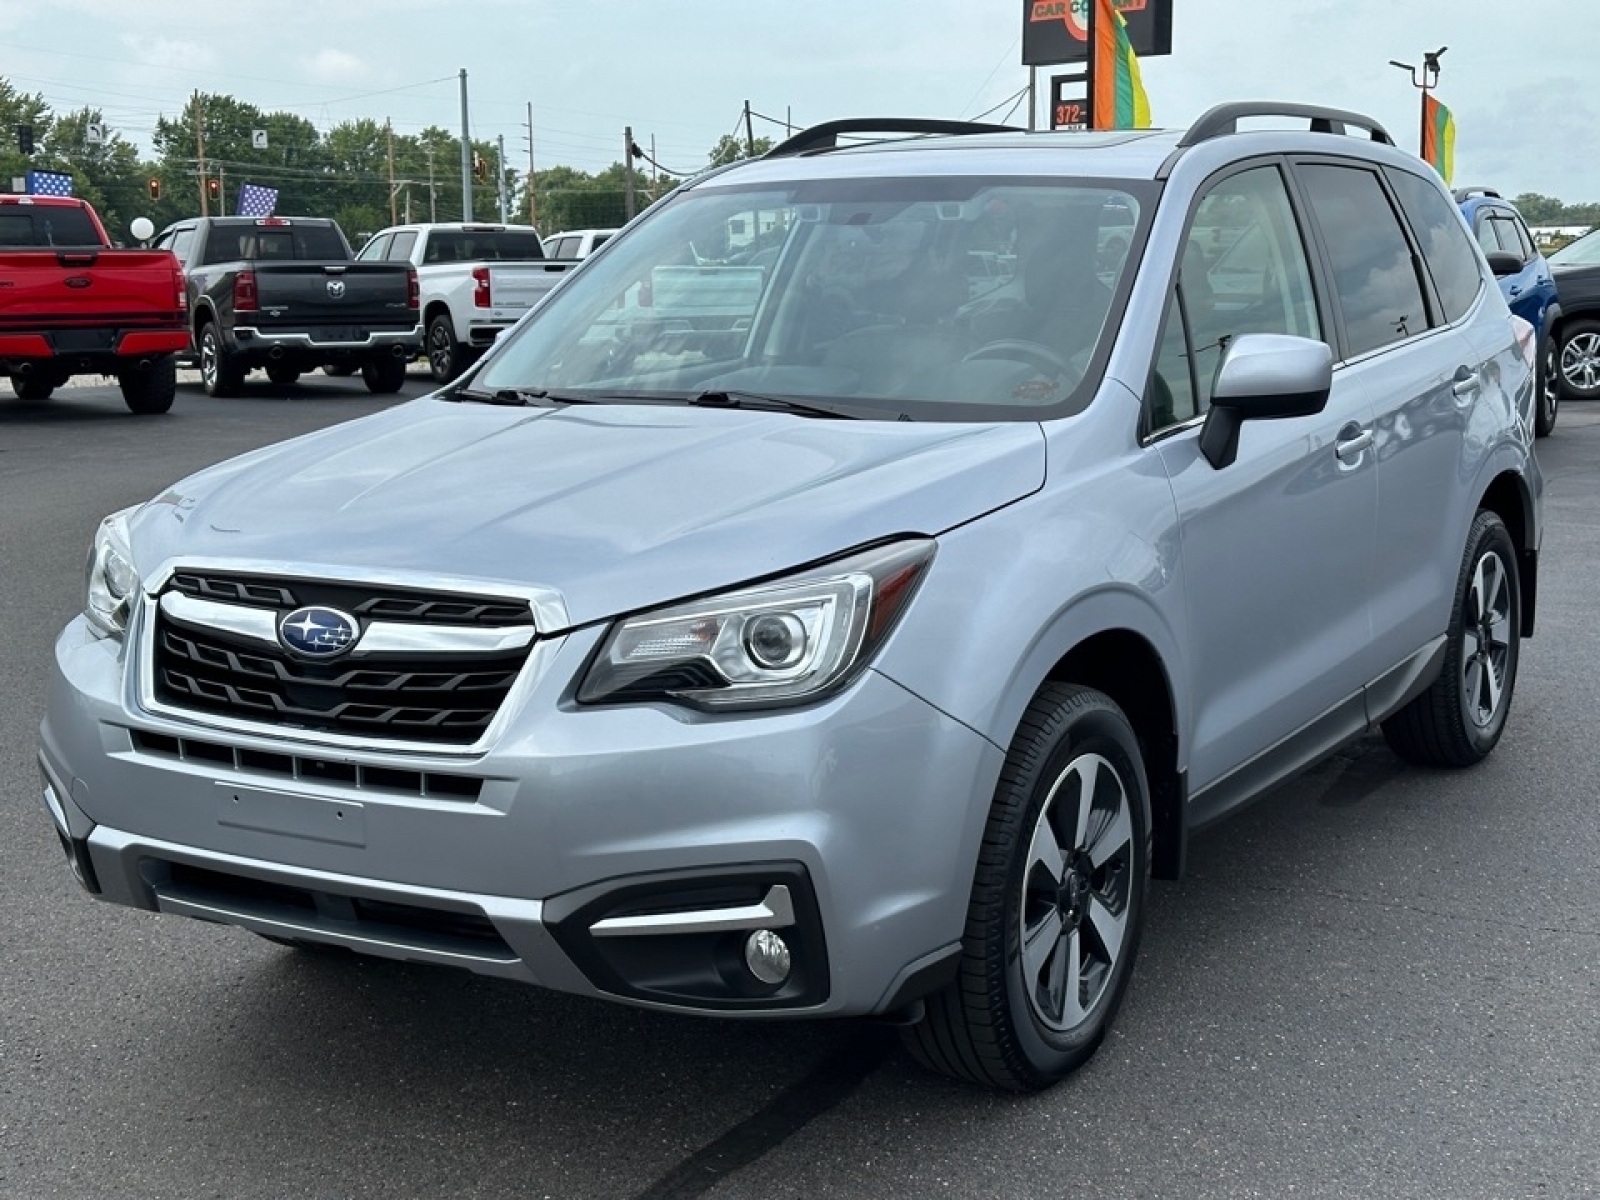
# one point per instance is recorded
(846, 591)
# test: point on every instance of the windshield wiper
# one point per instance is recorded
(753, 400)
(521, 397)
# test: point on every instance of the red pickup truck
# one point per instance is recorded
(72, 305)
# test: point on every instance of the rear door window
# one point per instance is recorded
(1373, 275)
(403, 242)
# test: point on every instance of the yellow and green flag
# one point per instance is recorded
(1438, 137)
(1119, 98)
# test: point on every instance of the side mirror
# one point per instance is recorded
(1503, 262)
(1264, 377)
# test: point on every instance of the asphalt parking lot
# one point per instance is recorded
(1379, 981)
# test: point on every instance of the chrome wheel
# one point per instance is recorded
(208, 358)
(1549, 391)
(1580, 361)
(1076, 892)
(1486, 640)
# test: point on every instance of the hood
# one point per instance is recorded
(616, 507)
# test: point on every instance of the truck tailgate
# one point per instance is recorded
(53, 288)
(522, 285)
(333, 295)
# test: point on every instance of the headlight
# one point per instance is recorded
(112, 581)
(783, 643)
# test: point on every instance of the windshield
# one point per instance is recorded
(935, 298)
(1585, 252)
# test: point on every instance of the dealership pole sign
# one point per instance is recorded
(1057, 31)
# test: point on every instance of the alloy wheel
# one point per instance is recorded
(441, 350)
(1486, 634)
(1580, 361)
(208, 358)
(1076, 892)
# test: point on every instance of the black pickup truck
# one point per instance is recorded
(285, 293)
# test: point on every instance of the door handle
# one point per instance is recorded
(1352, 442)
(1466, 383)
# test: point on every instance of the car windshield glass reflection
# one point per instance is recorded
(923, 297)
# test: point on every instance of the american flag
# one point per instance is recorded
(257, 201)
(49, 183)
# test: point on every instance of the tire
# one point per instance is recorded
(150, 392)
(1039, 909)
(1547, 392)
(1460, 718)
(446, 356)
(283, 376)
(1577, 360)
(28, 387)
(338, 369)
(384, 376)
(220, 372)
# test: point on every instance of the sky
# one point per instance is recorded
(679, 71)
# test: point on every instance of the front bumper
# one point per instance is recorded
(622, 852)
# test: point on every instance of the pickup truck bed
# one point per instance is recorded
(72, 305)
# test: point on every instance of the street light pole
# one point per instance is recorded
(1426, 78)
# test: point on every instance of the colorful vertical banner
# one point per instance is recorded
(1438, 137)
(1119, 96)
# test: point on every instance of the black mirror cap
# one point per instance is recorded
(1503, 262)
(1264, 376)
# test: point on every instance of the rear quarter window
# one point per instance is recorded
(1446, 245)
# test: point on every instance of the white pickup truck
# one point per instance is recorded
(475, 280)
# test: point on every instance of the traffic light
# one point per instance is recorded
(155, 189)
(25, 138)
(480, 168)
(214, 188)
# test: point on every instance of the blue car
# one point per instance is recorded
(1524, 277)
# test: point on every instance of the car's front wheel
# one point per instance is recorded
(1459, 719)
(1577, 361)
(1057, 901)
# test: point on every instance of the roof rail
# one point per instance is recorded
(826, 135)
(1224, 119)
(1466, 193)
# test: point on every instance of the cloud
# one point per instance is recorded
(159, 52)
(336, 66)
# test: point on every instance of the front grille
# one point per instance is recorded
(446, 699)
(365, 601)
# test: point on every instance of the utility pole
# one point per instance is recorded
(466, 154)
(749, 133)
(653, 180)
(222, 191)
(627, 165)
(500, 175)
(433, 198)
(533, 207)
(200, 154)
(388, 126)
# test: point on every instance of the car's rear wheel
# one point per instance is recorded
(220, 372)
(1057, 901)
(446, 359)
(150, 391)
(384, 376)
(32, 387)
(1577, 361)
(1549, 390)
(1459, 719)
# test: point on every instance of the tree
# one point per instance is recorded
(731, 149)
(1539, 210)
(106, 173)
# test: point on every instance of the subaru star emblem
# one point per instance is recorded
(318, 632)
(335, 288)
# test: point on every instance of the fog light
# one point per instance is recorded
(767, 956)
